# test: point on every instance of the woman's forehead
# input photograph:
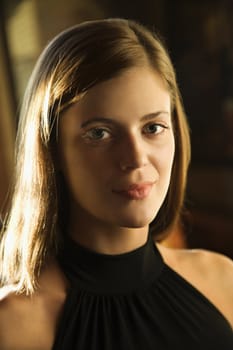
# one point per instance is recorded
(134, 97)
(140, 86)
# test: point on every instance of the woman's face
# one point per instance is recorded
(116, 149)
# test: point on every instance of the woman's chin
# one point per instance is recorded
(137, 221)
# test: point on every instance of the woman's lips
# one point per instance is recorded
(136, 191)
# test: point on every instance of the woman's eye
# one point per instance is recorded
(97, 134)
(154, 128)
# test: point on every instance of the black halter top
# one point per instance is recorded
(134, 301)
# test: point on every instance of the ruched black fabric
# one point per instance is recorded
(134, 301)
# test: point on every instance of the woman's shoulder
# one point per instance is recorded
(29, 321)
(211, 273)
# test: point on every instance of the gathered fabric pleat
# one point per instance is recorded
(156, 309)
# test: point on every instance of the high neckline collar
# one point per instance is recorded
(110, 274)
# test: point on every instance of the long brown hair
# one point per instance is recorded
(73, 62)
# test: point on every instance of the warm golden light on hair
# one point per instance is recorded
(72, 63)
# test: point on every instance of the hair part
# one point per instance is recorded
(72, 63)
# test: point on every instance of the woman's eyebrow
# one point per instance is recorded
(150, 116)
(97, 119)
(146, 117)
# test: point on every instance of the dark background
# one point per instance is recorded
(199, 37)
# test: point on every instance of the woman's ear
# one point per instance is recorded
(56, 153)
(56, 157)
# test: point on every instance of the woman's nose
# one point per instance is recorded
(133, 154)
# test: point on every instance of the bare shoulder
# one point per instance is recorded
(211, 264)
(11, 317)
(209, 272)
(29, 322)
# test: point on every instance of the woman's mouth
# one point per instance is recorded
(136, 191)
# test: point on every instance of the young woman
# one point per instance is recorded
(102, 155)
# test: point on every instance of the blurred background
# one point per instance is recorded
(199, 36)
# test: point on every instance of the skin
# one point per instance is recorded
(130, 112)
(104, 221)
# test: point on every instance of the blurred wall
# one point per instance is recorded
(199, 36)
(7, 123)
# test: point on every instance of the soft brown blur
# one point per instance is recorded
(199, 35)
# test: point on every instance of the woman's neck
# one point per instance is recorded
(106, 239)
